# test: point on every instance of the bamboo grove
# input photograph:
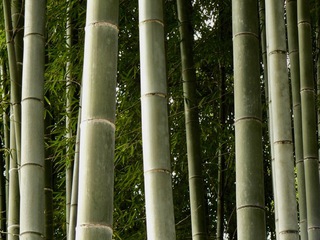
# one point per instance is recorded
(159, 120)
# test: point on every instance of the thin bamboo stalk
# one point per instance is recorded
(196, 188)
(293, 48)
(309, 125)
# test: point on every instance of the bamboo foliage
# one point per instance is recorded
(32, 221)
(309, 127)
(293, 48)
(197, 203)
(155, 132)
(249, 168)
(97, 137)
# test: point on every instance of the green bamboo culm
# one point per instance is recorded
(309, 124)
(17, 12)
(97, 137)
(4, 157)
(248, 126)
(69, 95)
(155, 130)
(15, 79)
(264, 50)
(281, 121)
(196, 188)
(75, 183)
(32, 205)
(293, 48)
(14, 197)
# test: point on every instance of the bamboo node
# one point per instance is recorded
(251, 206)
(102, 24)
(152, 21)
(95, 225)
(277, 51)
(289, 231)
(158, 170)
(158, 94)
(283, 142)
(246, 33)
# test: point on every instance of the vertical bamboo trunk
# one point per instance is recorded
(13, 207)
(248, 127)
(281, 121)
(14, 198)
(222, 119)
(14, 76)
(17, 23)
(196, 188)
(6, 141)
(69, 162)
(155, 130)
(309, 126)
(264, 50)
(2, 198)
(32, 219)
(97, 137)
(318, 71)
(293, 47)
(4, 159)
(48, 183)
(75, 183)
(221, 157)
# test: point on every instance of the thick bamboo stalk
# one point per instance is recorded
(97, 137)
(281, 121)
(248, 127)
(155, 130)
(309, 125)
(293, 48)
(32, 219)
(196, 188)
